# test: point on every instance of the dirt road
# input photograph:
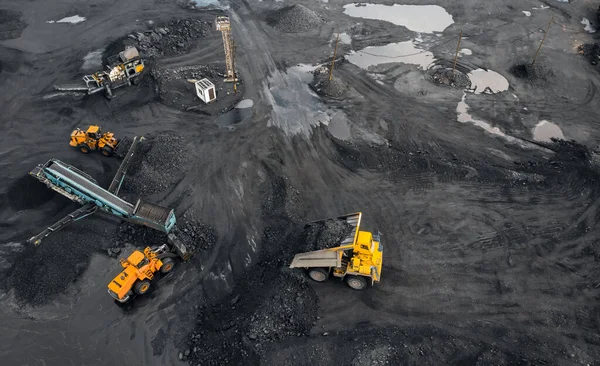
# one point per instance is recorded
(491, 246)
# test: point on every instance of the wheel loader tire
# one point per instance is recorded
(84, 149)
(318, 274)
(141, 287)
(357, 282)
(168, 264)
(107, 151)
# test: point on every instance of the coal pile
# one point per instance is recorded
(591, 51)
(294, 19)
(156, 166)
(196, 236)
(11, 24)
(321, 84)
(173, 38)
(527, 71)
(326, 234)
(449, 77)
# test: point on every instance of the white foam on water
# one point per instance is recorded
(465, 51)
(93, 60)
(546, 130)
(72, 19)
(246, 103)
(588, 27)
(463, 116)
(527, 13)
(417, 18)
(401, 52)
(487, 81)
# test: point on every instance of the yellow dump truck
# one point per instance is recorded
(357, 258)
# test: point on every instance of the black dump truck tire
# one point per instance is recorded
(357, 282)
(107, 151)
(168, 264)
(84, 149)
(141, 287)
(318, 274)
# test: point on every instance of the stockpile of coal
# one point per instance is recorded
(156, 165)
(591, 51)
(321, 84)
(527, 71)
(174, 38)
(11, 24)
(294, 19)
(447, 76)
(326, 234)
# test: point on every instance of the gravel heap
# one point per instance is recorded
(536, 72)
(157, 165)
(591, 51)
(11, 24)
(294, 19)
(326, 234)
(174, 38)
(323, 86)
(445, 76)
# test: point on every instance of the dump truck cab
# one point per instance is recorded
(138, 270)
(357, 259)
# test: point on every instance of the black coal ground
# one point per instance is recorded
(491, 249)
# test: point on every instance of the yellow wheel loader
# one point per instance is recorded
(94, 139)
(357, 259)
(138, 272)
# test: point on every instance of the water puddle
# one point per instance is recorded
(344, 38)
(296, 108)
(401, 52)
(465, 51)
(545, 131)
(338, 126)
(527, 13)
(246, 103)
(234, 116)
(93, 60)
(209, 3)
(487, 82)
(463, 116)
(72, 19)
(417, 18)
(587, 26)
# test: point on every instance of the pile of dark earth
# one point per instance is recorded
(321, 84)
(591, 51)
(294, 19)
(11, 24)
(447, 76)
(269, 303)
(173, 38)
(535, 72)
(156, 166)
(326, 234)
(39, 273)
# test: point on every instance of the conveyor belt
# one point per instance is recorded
(94, 190)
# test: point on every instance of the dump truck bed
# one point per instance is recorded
(329, 257)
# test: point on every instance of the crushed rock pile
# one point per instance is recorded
(446, 76)
(294, 19)
(323, 86)
(11, 24)
(157, 166)
(591, 51)
(527, 71)
(174, 38)
(326, 234)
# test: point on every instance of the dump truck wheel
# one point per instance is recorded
(141, 287)
(107, 151)
(84, 149)
(356, 282)
(318, 274)
(167, 266)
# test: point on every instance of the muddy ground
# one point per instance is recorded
(491, 245)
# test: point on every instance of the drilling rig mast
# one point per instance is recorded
(223, 25)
